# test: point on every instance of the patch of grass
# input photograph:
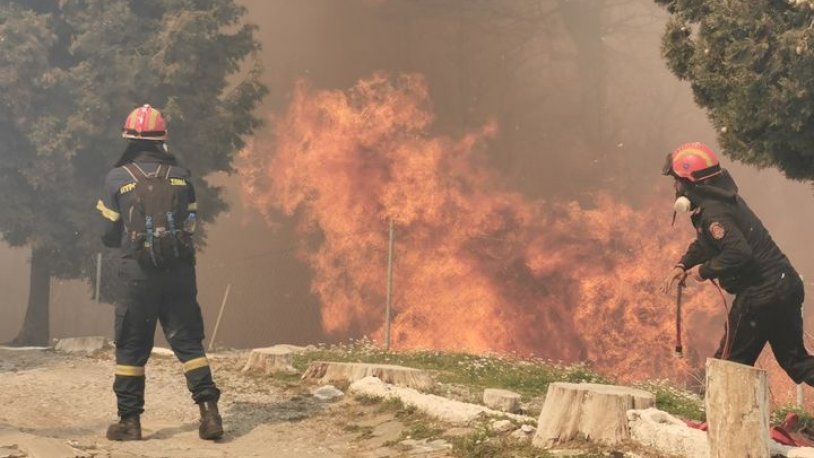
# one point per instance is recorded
(465, 376)
(365, 432)
(367, 400)
(528, 377)
(284, 377)
(679, 403)
(482, 444)
(806, 420)
(422, 430)
(679, 406)
(392, 405)
(417, 425)
(406, 413)
(399, 410)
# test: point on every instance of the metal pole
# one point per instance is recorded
(98, 277)
(800, 396)
(387, 314)
(800, 386)
(220, 315)
(679, 350)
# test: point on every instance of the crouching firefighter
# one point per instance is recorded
(150, 212)
(734, 249)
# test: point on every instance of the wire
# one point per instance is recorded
(725, 351)
(679, 350)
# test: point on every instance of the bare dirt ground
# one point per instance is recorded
(51, 401)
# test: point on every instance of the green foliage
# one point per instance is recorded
(367, 400)
(397, 407)
(679, 403)
(72, 71)
(422, 430)
(365, 432)
(751, 65)
(482, 444)
(806, 420)
(528, 377)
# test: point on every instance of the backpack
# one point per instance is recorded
(156, 219)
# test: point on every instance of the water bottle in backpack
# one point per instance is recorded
(155, 237)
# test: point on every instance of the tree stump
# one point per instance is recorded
(270, 360)
(590, 411)
(737, 402)
(327, 372)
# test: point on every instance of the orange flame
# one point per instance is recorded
(478, 267)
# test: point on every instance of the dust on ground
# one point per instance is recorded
(50, 399)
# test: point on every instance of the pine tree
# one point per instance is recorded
(70, 72)
(751, 66)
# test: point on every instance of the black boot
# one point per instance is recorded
(127, 429)
(211, 424)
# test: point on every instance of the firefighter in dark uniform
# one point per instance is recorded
(147, 296)
(733, 248)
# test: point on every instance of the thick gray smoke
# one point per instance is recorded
(578, 89)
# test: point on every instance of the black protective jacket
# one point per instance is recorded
(732, 245)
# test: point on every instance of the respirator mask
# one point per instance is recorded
(682, 204)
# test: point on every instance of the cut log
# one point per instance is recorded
(590, 411)
(272, 360)
(737, 399)
(327, 372)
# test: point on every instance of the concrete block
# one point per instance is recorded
(502, 400)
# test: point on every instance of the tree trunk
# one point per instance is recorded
(737, 405)
(583, 20)
(36, 326)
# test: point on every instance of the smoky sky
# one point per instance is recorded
(578, 89)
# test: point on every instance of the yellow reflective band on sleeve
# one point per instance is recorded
(127, 188)
(106, 212)
(129, 371)
(193, 206)
(178, 182)
(196, 363)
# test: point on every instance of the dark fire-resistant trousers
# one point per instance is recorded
(775, 318)
(168, 297)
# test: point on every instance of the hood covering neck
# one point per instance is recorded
(720, 187)
(146, 151)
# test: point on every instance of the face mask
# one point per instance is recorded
(682, 204)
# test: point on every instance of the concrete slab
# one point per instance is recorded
(87, 344)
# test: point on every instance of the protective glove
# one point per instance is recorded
(695, 273)
(676, 276)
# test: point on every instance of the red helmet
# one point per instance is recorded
(145, 123)
(693, 162)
